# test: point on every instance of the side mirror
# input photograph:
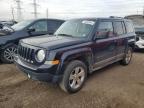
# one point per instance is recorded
(30, 30)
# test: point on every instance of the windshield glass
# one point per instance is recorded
(21, 25)
(76, 28)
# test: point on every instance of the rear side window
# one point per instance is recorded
(54, 25)
(118, 28)
(129, 27)
(105, 29)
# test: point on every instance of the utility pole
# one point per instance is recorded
(35, 9)
(137, 11)
(12, 11)
(143, 10)
(47, 13)
(19, 13)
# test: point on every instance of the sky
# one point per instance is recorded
(65, 9)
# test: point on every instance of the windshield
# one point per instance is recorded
(76, 28)
(22, 25)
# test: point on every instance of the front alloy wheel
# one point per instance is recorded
(77, 77)
(74, 77)
(8, 54)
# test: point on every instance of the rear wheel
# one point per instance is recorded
(74, 77)
(7, 55)
(128, 56)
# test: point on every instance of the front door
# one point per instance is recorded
(105, 44)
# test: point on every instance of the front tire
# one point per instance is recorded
(74, 77)
(7, 54)
(128, 56)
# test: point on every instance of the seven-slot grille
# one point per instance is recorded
(26, 53)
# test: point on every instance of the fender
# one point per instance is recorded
(75, 54)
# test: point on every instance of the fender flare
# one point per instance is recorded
(74, 54)
(6, 45)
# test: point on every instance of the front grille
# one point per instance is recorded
(26, 53)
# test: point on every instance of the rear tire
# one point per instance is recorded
(74, 77)
(128, 56)
(7, 54)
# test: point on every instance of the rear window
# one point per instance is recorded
(54, 25)
(129, 27)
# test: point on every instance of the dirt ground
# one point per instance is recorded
(115, 86)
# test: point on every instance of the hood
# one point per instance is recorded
(53, 42)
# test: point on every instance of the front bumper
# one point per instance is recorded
(43, 73)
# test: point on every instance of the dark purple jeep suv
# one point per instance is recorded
(79, 47)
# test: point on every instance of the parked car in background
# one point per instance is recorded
(9, 23)
(10, 36)
(140, 37)
(79, 47)
(1, 26)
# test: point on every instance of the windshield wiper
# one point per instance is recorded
(65, 35)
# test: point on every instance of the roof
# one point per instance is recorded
(102, 18)
(50, 19)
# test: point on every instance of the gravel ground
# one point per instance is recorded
(115, 86)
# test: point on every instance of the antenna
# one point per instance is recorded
(19, 13)
(143, 10)
(12, 11)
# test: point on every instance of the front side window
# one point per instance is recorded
(76, 28)
(105, 29)
(39, 26)
(118, 28)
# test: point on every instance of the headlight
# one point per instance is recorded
(40, 56)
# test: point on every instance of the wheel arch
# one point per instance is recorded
(84, 55)
(8, 44)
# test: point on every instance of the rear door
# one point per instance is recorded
(105, 45)
(120, 33)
